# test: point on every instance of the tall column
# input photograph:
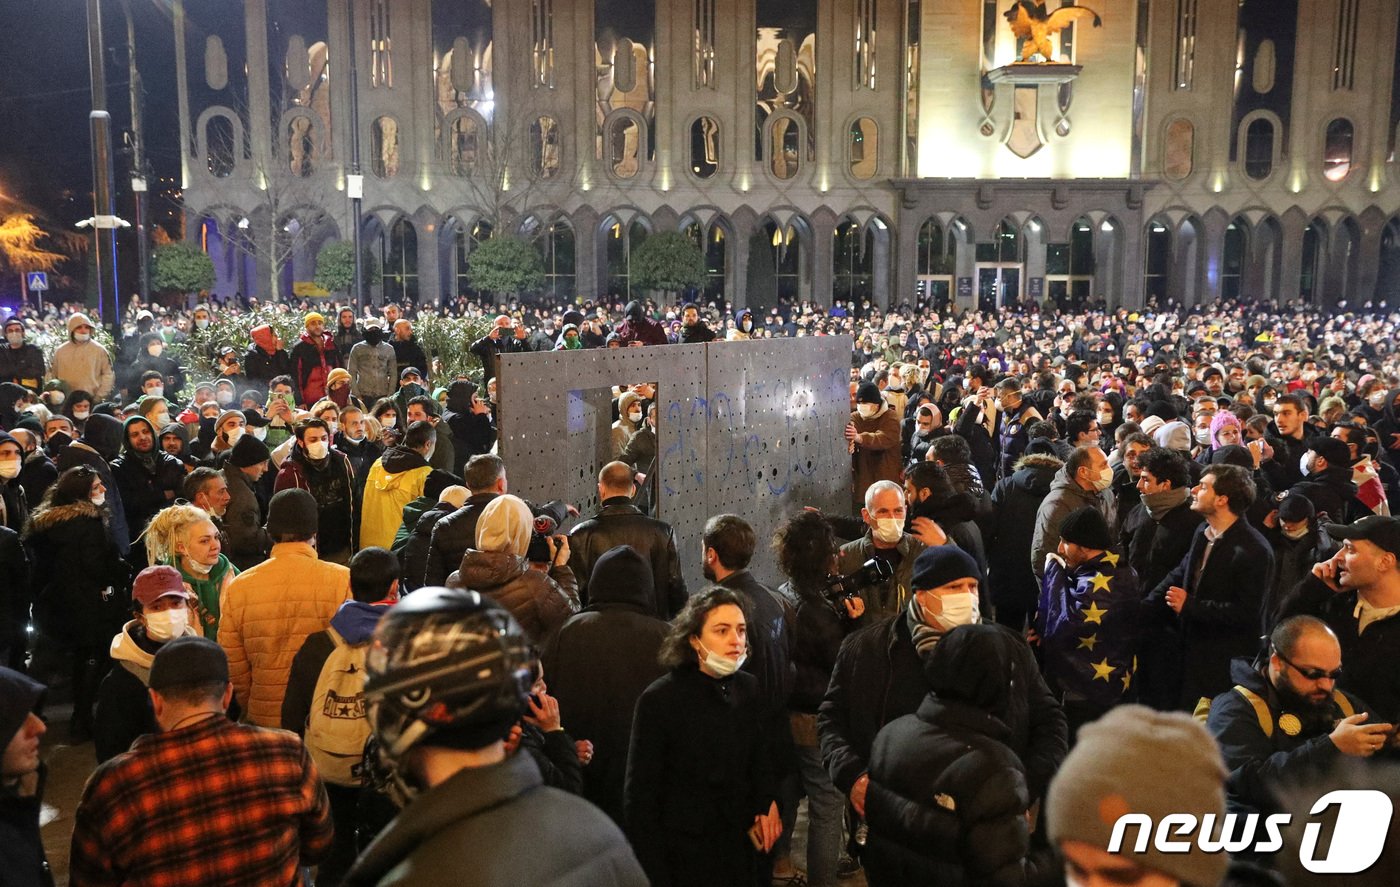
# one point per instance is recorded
(821, 253)
(1211, 252)
(1290, 265)
(906, 250)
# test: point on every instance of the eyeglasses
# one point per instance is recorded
(1311, 674)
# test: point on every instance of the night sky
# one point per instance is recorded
(45, 99)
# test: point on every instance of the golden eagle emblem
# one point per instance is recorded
(1030, 22)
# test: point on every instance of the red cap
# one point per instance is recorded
(157, 582)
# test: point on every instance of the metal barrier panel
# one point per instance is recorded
(752, 428)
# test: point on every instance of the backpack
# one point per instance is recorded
(337, 726)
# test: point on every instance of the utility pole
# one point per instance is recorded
(138, 160)
(104, 213)
(355, 181)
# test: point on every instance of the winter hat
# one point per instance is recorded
(435, 483)
(1150, 425)
(1296, 507)
(19, 695)
(292, 513)
(339, 374)
(189, 661)
(157, 582)
(455, 496)
(621, 574)
(1223, 419)
(1333, 450)
(938, 565)
(249, 451)
(78, 319)
(505, 525)
(1086, 526)
(1233, 455)
(1174, 436)
(1136, 760)
(868, 392)
(312, 317)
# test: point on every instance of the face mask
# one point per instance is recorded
(722, 665)
(260, 433)
(160, 420)
(80, 415)
(1305, 464)
(1104, 480)
(333, 427)
(158, 391)
(154, 350)
(223, 398)
(958, 609)
(867, 410)
(1202, 436)
(888, 530)
(232, 435)
(202, 323)
(1376, 400)
(635, 416)
(99, 500)
(15, 339)
(353, 440)
(167, 624)
(56, 398)
(318, 450)
(1105, 418)
(9, 468)
(81, 337)
(1269, 402)
(1297, 534)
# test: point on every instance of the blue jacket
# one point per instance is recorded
(1089, 623)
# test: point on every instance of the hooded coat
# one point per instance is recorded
(637, 327)
(313, 358)
(101, 442)
(147, 481)
(332, 483)
(600, 661)
(876, 455)
(1011, 531)
(948, 794)
(395, 480)
(540, 602)
(472, 433)
(81, 584)
(123, 711)
(22, 856)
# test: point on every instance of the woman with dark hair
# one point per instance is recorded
(78, 406)
(81, 586)
(700, 799)
(1109, 413)
(807, 551)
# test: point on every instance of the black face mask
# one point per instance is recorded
(374, 336)
(57, 442)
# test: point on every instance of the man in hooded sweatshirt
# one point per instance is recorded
(22, 856)
(265, 359)
(397, 478)
(124, 709)
(81, 363)
(313, 358)
(374, 587)
(101, 442)
(148, 478)
(473, 430)
(637, 327)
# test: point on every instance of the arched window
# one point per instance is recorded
(624, 146)
(556, 246)
(785, 260)
(935, 250)
(785, 139)
(1314, 236)
(715, 245)
(704, 147)
(1259, 149)
(1178, 149)
(1069, 267)
(219, 145)
(400, 275)
(544, 147)
(384, 147)
(463, 144)
(863, 148)
(301, 145)
(1337, 150)
(466, 238)
(1005, 245)
(1388, 277)
(1159, 258)
(1232, 263)
(622, 239)
(853, 261)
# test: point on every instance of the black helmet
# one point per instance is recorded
(446, 667)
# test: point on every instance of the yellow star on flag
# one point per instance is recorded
(1088, 643)
(1102, 670)
(1110, 558)
(1092, 613)
(1127, 681)
(1100, 582)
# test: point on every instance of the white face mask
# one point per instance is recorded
(332, 427)
(81, 337)
(1295, 534)
(15, 339)
(867, 410)
(167, 624)
(158, 391)
(80, 415)
(202, 322)
(260, 433)
(722, 666)
(224, 398)
(1105, 418)
(155, 350)
(1203, 436)
(318, 450)
(160, 420)
(635, 416)
(1305, 464)
(959, 609)
(233, 435)
(1376, 400)
(56, 397)
(888, 530)
(9, 468)
(99, 500)
(1104, 480)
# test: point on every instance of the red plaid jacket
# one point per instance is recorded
(212, 803)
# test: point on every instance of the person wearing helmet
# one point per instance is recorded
(447, 675)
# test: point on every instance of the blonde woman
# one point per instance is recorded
(185, 537)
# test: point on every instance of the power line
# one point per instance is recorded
(56, 92)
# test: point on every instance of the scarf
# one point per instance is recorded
(1158, 504)
(927, 630)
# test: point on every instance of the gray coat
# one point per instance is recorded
(373, 371)
(890, 596)
(1065, 496)
(248, 543)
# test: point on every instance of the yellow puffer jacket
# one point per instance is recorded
(265, 615)
(386, 493)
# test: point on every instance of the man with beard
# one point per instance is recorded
(694, 330)
(1287, 723)
(324, 472)
(148, 477)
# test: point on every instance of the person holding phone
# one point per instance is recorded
(700, 798)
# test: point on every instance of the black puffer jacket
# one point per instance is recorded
(450, 538)
(599, 663)
(948, 796)
(148, 481)
(619, 522)
(100, 443)
(472, 433)
(78, 564)
(1015, 501)
(413, 559)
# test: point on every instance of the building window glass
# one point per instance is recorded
(863, 148)
(400, 276)
(219, 148)
(1313, 238)
(1178, 149)
(1344, 52)
(1005, 245)
(1184, 67)
(622, 239)
(384, 147)
(624, 137)
(557, 247)
(935, 250)
(542, 42)
(704, 147)
(381, 59)
(544, 142)
(1159, 256)
(1259, 149)
(1336, 153)
(704, 44)
(466, 240)
(785, 135)
(463, 144)
(1232, 263)
(853, 261)
(864, 60)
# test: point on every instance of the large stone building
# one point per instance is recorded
(817, 149)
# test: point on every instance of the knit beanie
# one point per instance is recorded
(1174, 435)
(868, 392)
(292, 513)
(1136, 760)
(938, 565)
(1086, 526)
(1150, 424)
(1223, 419)
(249, 451)
(78, 319)
(505, 525)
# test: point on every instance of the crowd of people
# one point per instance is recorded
(1114, 562)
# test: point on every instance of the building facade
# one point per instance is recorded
(894, 150)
